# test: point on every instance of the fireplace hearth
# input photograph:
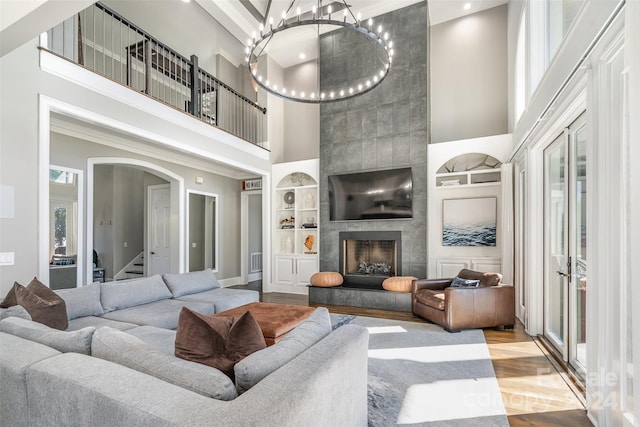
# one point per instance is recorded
(369, 257)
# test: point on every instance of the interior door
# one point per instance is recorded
(159, 230)
(565, 193)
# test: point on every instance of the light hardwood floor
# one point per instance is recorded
(533, 391)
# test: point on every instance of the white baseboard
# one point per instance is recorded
(299, 290)
(254, 276)
(231, 281)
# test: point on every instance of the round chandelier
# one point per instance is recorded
(374, 43)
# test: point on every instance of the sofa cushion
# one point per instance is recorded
(161, 314)
(76, 341)
(191, 283)
(220, 342)
(459, 282)
(224, 299)
(431, 298)
(129, 293)
(163, 340)
(43, 304)
(98, 322)
(15, 311)
(83, 301)
(252, 369)
(486, 279)
(124, 349)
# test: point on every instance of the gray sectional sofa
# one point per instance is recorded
(114, 365)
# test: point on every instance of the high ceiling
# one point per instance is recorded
(242, 18)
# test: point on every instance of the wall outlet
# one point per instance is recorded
(126, 244)
(193, 245)
(7, 258)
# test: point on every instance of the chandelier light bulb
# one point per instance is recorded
(375, 79)
(313, 10)
(249, 43)
(284, 90)
(313, 95)
(253, 35)
(247, 50)
(368, 83)
(298, 12)
(379, 29)
(301, 94)
(260, 78)
(350, 90)
(390, 44)
(360, 86)
(331, 95)
(341, 93)
(271, 20)
(254, 72)
(329, 9)
(370, 24)
(275, 87)
(293, 93)
(284, 15)
(261, 27)
(322, 95)
(266, 83)
(386, 36)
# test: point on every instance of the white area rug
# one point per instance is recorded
(420, 374)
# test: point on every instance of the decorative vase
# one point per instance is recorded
(288, 245)
(309, 201)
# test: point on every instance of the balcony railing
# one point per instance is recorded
(104, 42)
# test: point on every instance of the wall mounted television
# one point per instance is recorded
(384, 194)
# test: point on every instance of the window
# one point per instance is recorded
(520, 72)
(560, 16)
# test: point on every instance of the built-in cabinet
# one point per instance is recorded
(295, 225)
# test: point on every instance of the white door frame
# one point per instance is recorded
(244, 235)
(216, 215)
(176, 184)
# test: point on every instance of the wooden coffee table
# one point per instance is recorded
(275, 320)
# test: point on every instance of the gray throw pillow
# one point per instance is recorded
(15, 311)
(67, 342)
(129, 293)
(81, 302)
(253, 368)
(127, 350)
(191, 283)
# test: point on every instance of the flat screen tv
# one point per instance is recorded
(385, 194)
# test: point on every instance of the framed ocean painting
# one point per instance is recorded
(469, 222)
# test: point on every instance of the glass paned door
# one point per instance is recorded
(565, 195)
(556, 267)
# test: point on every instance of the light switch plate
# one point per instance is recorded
(7, 258)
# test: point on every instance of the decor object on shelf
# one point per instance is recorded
(289, 198)
(469, 222)
(308, 243)
(376, 48)
(288, 245)
(326, 279)
(287, 222)
(309, 201)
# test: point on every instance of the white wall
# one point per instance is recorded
(496, 146)
(109, 104)
(468, 64)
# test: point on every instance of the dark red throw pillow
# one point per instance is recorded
(219, 342)
(44, 305)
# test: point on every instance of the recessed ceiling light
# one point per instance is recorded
(467, 6)
(302, 55)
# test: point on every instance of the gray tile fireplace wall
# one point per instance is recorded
(383, 129)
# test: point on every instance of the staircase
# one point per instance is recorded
(133, 270)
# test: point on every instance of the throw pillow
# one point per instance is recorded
(43, 304)
(457, 282)
(10, 299)
(219, 342)
(76, 342)
(14, 311)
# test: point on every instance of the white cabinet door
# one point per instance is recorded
(307, 267)
(284, 272)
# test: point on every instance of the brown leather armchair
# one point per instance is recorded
(491, 304)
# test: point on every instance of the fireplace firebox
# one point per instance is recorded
(369, 257)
